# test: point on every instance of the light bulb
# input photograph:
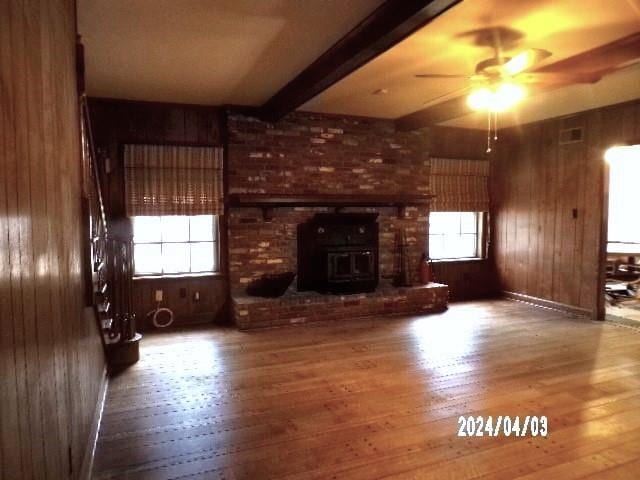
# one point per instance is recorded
(496, 99)
(506, 96)
(480, 99)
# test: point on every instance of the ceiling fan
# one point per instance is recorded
(499, 82)
(588, 66)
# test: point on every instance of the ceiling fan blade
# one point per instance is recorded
(558, 78)
(601, 60)
(438, 75)
(525, 60)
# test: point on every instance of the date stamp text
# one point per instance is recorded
(503, 425)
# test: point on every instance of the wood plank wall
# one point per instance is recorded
(117, 122)
(51, 359)
(540, 249)
(468, 279)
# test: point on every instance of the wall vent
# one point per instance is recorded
(571, 135)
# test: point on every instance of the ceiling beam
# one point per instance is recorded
(390, 23)
(447, 110)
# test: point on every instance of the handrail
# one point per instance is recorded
(92, 157)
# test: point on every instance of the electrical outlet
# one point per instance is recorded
(158, 295)
(196, 296)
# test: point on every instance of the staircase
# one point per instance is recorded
(108, 280)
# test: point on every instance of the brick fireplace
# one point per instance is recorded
(310, 155)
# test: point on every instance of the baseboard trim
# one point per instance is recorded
(89, 454)
(544, 303)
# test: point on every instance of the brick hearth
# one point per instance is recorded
(303, 307)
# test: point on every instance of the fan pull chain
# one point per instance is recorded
(495, 126)
(489, 131)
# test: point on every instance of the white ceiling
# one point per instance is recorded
(242, 52)
(207, 51)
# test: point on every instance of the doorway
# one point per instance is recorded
(622, 268)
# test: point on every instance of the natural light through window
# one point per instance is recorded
(175, 244)
(454, 235)
(624, 225)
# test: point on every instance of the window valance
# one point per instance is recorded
(173, 180)
(459, 185)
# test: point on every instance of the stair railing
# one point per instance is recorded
(108, 280)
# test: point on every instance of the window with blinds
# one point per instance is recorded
(458, 210)
(174, 196)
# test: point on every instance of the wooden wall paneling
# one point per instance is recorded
(212, 298)
(563, 242)
(57, 33)
(12, 440)
(594, 201)
(40, 315)
(26, 329)
(559, 287)
(466, 279)
(51, 357)
(547, 164)
(452, 142)
(538, 183)
(522, 212)
(510, 243)
(497, 192)
(536, 189)
(580, 161)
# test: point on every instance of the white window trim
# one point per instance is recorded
(481, 242)
(216, 255)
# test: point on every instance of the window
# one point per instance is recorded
(175, 244)
(455, 235)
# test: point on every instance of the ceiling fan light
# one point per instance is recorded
(506, 96)
(480, 99)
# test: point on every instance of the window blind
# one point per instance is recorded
(459, 185)
(173, 180)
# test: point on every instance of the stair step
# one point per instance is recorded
(101, 290)
(106, 323)
(104, 307)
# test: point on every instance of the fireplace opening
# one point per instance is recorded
(338, 253)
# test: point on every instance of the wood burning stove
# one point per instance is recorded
(338, 253)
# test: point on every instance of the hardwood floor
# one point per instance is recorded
(379, 398)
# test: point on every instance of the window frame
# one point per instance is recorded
(481, 247)
(161, 274)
